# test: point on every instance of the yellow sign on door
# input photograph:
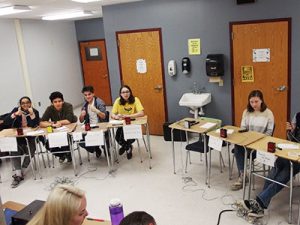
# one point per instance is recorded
(247, 74)
(194, 46)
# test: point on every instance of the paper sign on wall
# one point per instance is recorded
(266, 158)
(261, 55)
(133, 131)
(58, 139)
(194, 46)
(8, 144)
(247, 74)
(94, 138)
(141, 66)
(215, 143)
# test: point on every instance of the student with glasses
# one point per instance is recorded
(21, 117)
(126, 106)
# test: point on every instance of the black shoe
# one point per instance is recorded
(129, 153)
(98, 153)
(69, 159)
(62, 158)
(16, 181)
(122, 150)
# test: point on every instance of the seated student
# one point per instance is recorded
(126, 106)
(92, 112)
(293, 128)
(65, 204)
(257, 117)
(138, 218)
(280, 173)
(21, 117)
(58, 114)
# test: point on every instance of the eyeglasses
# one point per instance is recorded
(125, 92)
(25, 103)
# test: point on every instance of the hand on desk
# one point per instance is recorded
(56, 125)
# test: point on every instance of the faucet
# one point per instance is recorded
(197, 89)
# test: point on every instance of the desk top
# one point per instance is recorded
(179, 125)
(243, 139)
(100, 126)
(18, 206)
(138, 121)
(262, 145)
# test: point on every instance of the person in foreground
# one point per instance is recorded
(22, 116)
(279, 173)
(257, 117)
(138, 218)
(66, 205)
(126, 106)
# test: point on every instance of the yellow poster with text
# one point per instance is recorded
(247, 74)
(194, 46)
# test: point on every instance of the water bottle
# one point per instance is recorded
(116, 211)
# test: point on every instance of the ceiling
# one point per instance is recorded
(48, 7)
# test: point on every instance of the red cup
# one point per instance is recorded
(87, 126)
(127, 120)
(20, 131)
(223, 133)
(271, 147)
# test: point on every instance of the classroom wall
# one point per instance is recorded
(53, 63)
(207, 20)
(90, 29)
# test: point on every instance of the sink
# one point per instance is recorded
(195, 100)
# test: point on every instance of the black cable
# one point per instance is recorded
(225, 210)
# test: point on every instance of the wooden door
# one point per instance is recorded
(147, 85)
(95, 70)
(272, 77)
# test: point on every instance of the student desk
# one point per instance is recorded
(18, 206)
(99, 127)
(137, 121)
(261, 145)
(242, 139)
(194, 129)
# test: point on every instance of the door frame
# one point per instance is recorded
(162, 60)
(82, 71)
(231, 24)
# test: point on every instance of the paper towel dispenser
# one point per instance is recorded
(215, 65)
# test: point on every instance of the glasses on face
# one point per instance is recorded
(25, 103)
(125, 92)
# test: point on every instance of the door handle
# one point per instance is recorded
(105, 76)
(158, 87)
(281, 88)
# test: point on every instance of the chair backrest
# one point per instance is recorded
(106, 116)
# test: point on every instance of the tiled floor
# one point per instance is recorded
(158, 191)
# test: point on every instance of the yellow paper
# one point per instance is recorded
(247, 74)
(194, 46)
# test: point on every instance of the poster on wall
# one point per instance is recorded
(247, 74)
(194, 46)
(261, 55)
(141, 66)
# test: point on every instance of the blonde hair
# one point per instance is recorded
(62, 204)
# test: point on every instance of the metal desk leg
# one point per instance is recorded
(206, 163)
(173, 149)
(245, 172)
(70, 139)
(209, 167)
(31, 164)
(107, 155)
(229, 162)
(148, 143)
(187, 152)
(291, 192)
(250, 172)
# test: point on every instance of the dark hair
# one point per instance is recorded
(138, 218)
(259, 94)
(55, 95)
(131, 98)
(24, 97)
(87, 88)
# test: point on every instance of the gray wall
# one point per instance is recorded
(208, 20)
(89, 29)
(53, 62)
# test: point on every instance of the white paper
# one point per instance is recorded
(215, 143)
(294, 154)
(34, 133)
(141, 66)
(63, 128)
(208, 125)
(77, 136)
(94, 138)
(287, 146)
(94, 52)
(132, 131)
(58, 139)
(229, 131)
(8, 144)
(261, 55)
(116, 122)
(266, 158)
(93, 125)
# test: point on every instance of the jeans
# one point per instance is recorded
(280, 173)
(121, 141)
(22, 149)
(239, 153)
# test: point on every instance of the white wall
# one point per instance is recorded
(53, 62)
(11, 80)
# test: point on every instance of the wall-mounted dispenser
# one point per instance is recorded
(215, 65)
(172, 68)
(186, 65)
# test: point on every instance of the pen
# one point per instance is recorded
(99, 220)
(278, 148)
